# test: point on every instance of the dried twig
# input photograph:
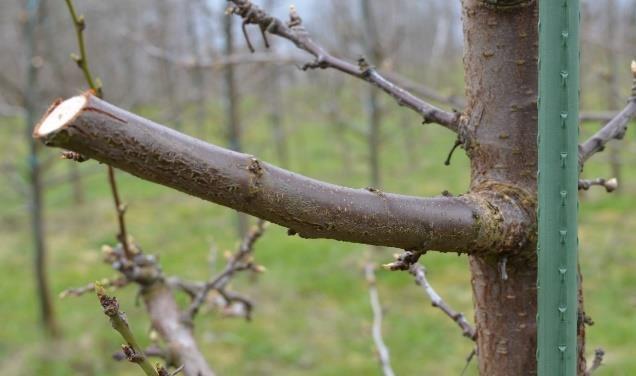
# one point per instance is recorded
(295, 32)
(96, 86)
(382, 349)
(597, 362)
(132, 350)
(615, 129)
(419, 272)
(239, 261)
(610, 185)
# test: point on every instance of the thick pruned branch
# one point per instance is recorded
(132, 351)
(239, 261)
(610, 185)
(294, 31)
(615, 129)
(383, 351)
(311, 208)
(419, 272)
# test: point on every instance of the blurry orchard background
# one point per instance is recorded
(164, 59)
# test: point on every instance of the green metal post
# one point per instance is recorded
(558, 186)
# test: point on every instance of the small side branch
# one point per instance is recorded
(295, 32)
(610, 185)
(133, 352)
(383, 351)
(615, 129)
(104, 283)
(419, 272)
(240, 261)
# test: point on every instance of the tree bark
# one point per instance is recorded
(500, 129)
(311, 208)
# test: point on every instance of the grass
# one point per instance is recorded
(312, 315)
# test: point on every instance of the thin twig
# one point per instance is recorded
(122, 236)
(383, 351)
(239, 261)
(597, 362)
(151, 352)
(610, 185)
(615, 129)
(469, 358)
(295, 32)
(134, 353)
(590, 117)
(95, 84)
(419, 272)
(105, 283)
(82, 60)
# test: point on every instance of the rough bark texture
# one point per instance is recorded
(306, 206)
(500, 130)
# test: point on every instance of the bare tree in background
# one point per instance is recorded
(34, 63)
(494, 223)
(232, 102)
(614, 100)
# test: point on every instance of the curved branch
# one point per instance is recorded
(614, 130)
(311, 208)
(167, 319)
(295, 32)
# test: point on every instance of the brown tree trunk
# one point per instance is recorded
(500, 129)
(501, 121)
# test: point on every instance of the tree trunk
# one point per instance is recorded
(499, 129)
(501, 118)
(374, 113)
(35, 173)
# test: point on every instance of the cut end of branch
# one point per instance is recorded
(59, 116)
(634, 67)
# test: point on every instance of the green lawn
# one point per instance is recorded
(312, 315)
